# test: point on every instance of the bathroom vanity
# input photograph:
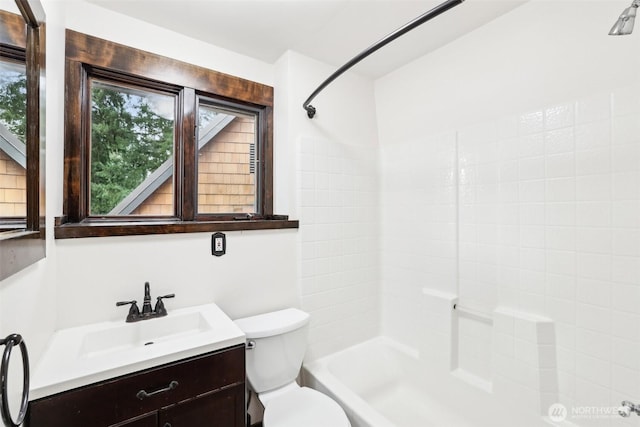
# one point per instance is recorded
(209, 391)
(184, 370)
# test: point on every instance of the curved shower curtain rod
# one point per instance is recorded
(441, 8)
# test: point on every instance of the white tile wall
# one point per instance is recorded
(548, 223)
(338, 238)
(418, 230)
(437, 339)
(473, 347)
(525, 361)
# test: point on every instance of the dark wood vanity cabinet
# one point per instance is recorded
(210, 392)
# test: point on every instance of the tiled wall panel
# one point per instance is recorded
(546, 221)
(418, 232)
(338, 238)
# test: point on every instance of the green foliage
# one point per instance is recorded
(129, 141)
(13, 102)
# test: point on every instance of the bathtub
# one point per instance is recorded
(380, 383)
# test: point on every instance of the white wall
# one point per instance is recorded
(533, 56)
(335, 192)
(328, 266)
(528, 131)
(81, 279)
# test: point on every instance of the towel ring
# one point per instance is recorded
(11, 341)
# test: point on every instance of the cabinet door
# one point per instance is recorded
(219, 409)
(149, 420)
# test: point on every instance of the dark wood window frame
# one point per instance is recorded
(88, 56)
(23, 243)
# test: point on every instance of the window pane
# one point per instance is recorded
(227, 147)
(13, 154)
(132, 142)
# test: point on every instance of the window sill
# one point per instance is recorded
(138, 228)
(18, 234)
(12, 227)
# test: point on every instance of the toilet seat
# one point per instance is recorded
(304, 407)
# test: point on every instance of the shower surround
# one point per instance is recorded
(505, 168)
(533, 217)
(512, 157)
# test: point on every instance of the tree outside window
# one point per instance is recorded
(13, 124)
(155, 145)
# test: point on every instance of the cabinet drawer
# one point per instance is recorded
(115, 400)
(217, 409)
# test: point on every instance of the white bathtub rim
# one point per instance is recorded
(407, 350)
(357, 410)
(317, 375)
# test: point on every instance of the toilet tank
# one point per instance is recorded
(276, 343)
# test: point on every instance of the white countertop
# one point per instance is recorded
(87, 354)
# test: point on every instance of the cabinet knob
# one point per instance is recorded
(167, 425)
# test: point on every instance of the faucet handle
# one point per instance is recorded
(120, 303)
(134, 311)
(160, 309)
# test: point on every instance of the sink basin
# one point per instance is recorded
(126, 336)
(87, 354)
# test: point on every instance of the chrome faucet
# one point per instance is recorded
(147, 312)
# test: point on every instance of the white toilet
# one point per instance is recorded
(276, 343)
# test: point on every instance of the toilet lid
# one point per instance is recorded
(304, 407)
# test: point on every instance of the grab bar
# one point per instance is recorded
(479, 315)
(441, 8)
(10, 342)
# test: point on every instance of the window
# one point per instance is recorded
(13, 153)
(154, 145)
(226, 168)
(132, 146)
